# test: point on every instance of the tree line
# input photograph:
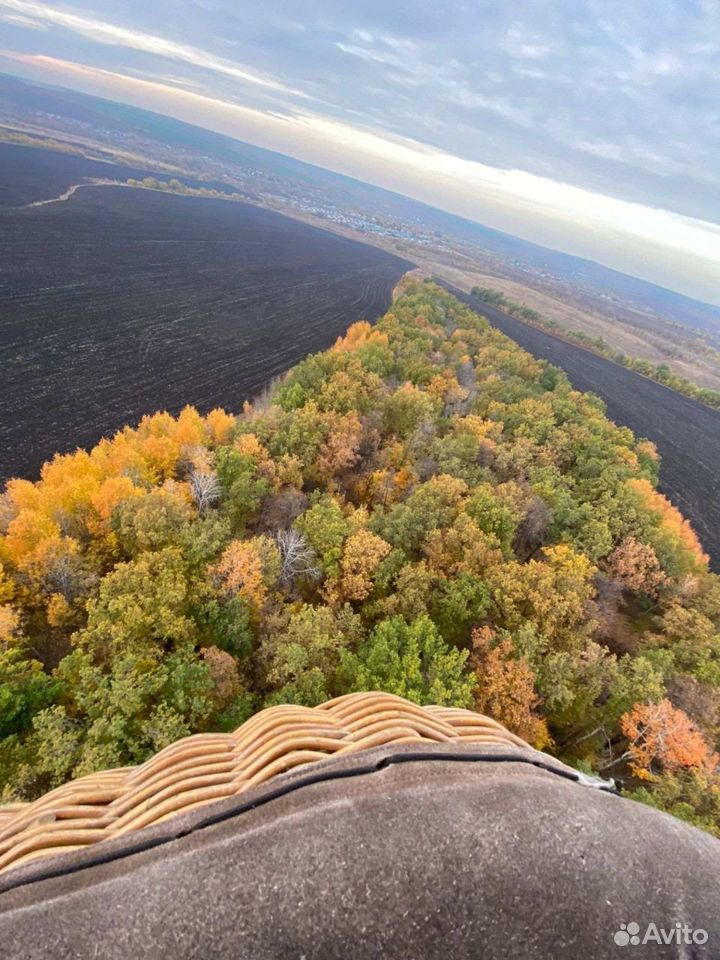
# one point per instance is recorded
(659, 372)
(424, 509)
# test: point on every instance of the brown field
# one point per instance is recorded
(119, 302)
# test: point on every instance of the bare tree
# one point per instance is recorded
(280, 509)
(459, 400)
(206, 490)
(532, 529)
(66, 574)
(297, 557)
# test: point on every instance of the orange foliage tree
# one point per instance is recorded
(661, 735)
(506, 687)
(672, 522)
(358, 335)
(339, 450)
(246, 568)
(636, 566)
(224, 675)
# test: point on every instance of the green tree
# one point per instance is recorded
(302, 661)
(494, 516)
(412, 661)
(458, 605)
(24, 691)
(406, 409)
(432, 506)
(242, 488)
(142, 607)
(326, 528)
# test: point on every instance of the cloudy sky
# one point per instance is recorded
(592, 126)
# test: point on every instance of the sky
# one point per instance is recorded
(590, 126)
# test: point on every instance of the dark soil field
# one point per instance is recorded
(687, 433)
(28, 174)
(119, 302)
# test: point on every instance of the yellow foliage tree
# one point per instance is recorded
(9, 623)
(7, 588)
(220, 426)
(109, 494)
(671, 520)
(358, 335)
(362, 553)
(552, 594)
(461, 548)
(249, 446)
(27, 533)
(247, 568)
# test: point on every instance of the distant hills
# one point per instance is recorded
(116, 123)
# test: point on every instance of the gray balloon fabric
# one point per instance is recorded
(431, 852)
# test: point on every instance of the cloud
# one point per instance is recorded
(446, 78)
(373, 56)
(169, 79)
(21, 21)
(518, 43)
(533, 51)
(510, 199)
(616, 100)
(108, 33)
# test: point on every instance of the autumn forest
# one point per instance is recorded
(424, 509)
